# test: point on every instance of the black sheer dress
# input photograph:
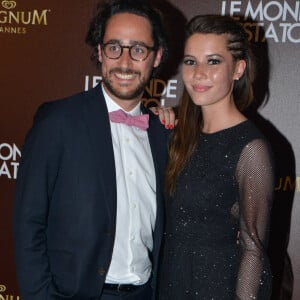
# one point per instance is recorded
(217, 222)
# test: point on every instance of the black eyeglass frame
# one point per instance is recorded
(149, 49)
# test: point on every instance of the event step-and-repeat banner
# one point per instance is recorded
(43, 57)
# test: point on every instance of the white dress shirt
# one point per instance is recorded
(136, 202)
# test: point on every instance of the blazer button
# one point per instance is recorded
(102, 271)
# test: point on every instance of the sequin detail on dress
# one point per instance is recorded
(225, 191)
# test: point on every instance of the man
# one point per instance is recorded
(88, 210)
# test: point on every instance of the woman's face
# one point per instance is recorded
(208, 69)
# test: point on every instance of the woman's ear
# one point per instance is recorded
(240, 67)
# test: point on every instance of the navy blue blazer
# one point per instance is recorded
(65, 199)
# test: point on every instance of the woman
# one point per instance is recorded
(219, 177)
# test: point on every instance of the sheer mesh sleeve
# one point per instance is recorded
(256, 184)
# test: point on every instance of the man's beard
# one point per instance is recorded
(131, 95)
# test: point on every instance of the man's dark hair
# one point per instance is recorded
(107, 9)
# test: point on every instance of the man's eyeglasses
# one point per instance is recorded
(136, 52)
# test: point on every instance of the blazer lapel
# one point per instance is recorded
(99, 135)
(158, 143)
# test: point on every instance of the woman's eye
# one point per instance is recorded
(213, 61)
(189, 62)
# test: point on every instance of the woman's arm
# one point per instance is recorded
(256, 184)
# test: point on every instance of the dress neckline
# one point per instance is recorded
(221, 131)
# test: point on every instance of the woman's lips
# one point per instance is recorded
(201, 88)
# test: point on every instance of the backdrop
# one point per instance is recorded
(44, 57)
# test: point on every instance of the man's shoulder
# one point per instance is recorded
(75, 99)
(67, 105)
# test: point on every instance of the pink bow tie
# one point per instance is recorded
(140, 121)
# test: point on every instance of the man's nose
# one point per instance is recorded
(125, 60)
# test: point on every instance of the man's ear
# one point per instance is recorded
(99, 53)
(158, 57)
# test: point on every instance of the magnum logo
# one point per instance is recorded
(17, 21)
(9, 4)
(7, 297)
